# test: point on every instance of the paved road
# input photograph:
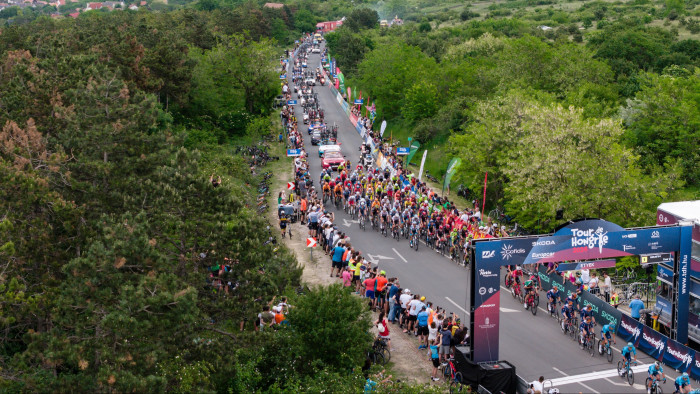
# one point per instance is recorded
(534, 344)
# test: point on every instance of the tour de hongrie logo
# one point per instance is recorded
(589, 238)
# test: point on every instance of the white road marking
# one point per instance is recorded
(592, 376)
(636, 386)
(506, 310)
(457, 305)
(584, 385)
(374, 259)
(397, 253)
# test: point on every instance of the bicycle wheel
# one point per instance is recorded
(458, 378)
(537, 299)
(630, 376)
(658, 389)
(533, 309)
(572, 332)
(620, 367)
(563, 327)
(600, 347)
(447, 373)
(609, 354)
(386, 354)
(379, 358)
(591, 346)
(456, 387)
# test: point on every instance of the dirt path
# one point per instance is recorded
(407, 362)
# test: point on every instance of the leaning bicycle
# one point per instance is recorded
(624, 369)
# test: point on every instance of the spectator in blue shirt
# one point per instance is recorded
(635, 306)
(422, 330)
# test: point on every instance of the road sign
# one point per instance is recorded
(402, 151)
(293, 152)
(311, 242)
(655, 258)
(283, 76)
(290, 185)
(359, 101)
(291, 102)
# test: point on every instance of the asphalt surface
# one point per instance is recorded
(534, 344)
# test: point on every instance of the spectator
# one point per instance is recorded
(537, 387)
(446, 335)
(337, 260)
(383, 327)
(266, 317)
(606, 286)
(593, 284)
(422, 330)
(635, 306)
(585, 276)
(215, 182)
(435, 358)
(347, 277)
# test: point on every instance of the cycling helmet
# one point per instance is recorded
(382, 272)
(630, 344)
(657, 364)
(685, 375)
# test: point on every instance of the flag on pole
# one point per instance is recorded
(451, 169)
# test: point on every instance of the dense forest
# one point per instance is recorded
(111, 124)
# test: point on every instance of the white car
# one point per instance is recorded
(327, 148)
(316, 50)
(310, 82)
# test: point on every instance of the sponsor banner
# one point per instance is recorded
(683, 301)
(412, 150)
(485, 295)
(663, 307)
(664, 274)
(592, 240)
(652, 343)
(506, 252)
(630, 330)
(596, 264)
(695, 367)
(678, 356)
(402, 151)
(353, 119)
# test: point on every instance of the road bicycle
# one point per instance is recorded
(414, 242)
(587, 343)
(533, 302)
(605, 349)
(569, 328)
(383, 229)
(553, 308)
(362, 222)
(380, 346)
(655, 388)
(516, 292)
(624, 369)
(451, 374)
(395, 233)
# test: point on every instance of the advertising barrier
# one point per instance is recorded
(679, 357)
(652, 343)
(603, 312)
(695, 367)
(630, 330)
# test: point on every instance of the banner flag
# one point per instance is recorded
(451, 169)
(414, 148)
(422, 164)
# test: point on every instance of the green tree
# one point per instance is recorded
(305, 21)
(348, 49)
(663, 122)
(421, 101)
(392, 68)
(362, 18)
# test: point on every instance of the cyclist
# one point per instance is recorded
(573, 297)
(529, 291)
(585, 328)
(587, 311)
(362, 206)
(682, 384)
(606, 334)
(628, 351)
(338, 190)
(656, 372)
(384, 217)
(395, 219)
(567, 312)
(326, 190)
(553, 297)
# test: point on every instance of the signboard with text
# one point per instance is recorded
(582, 240)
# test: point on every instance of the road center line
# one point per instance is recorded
(397, 253)
(457, 305)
